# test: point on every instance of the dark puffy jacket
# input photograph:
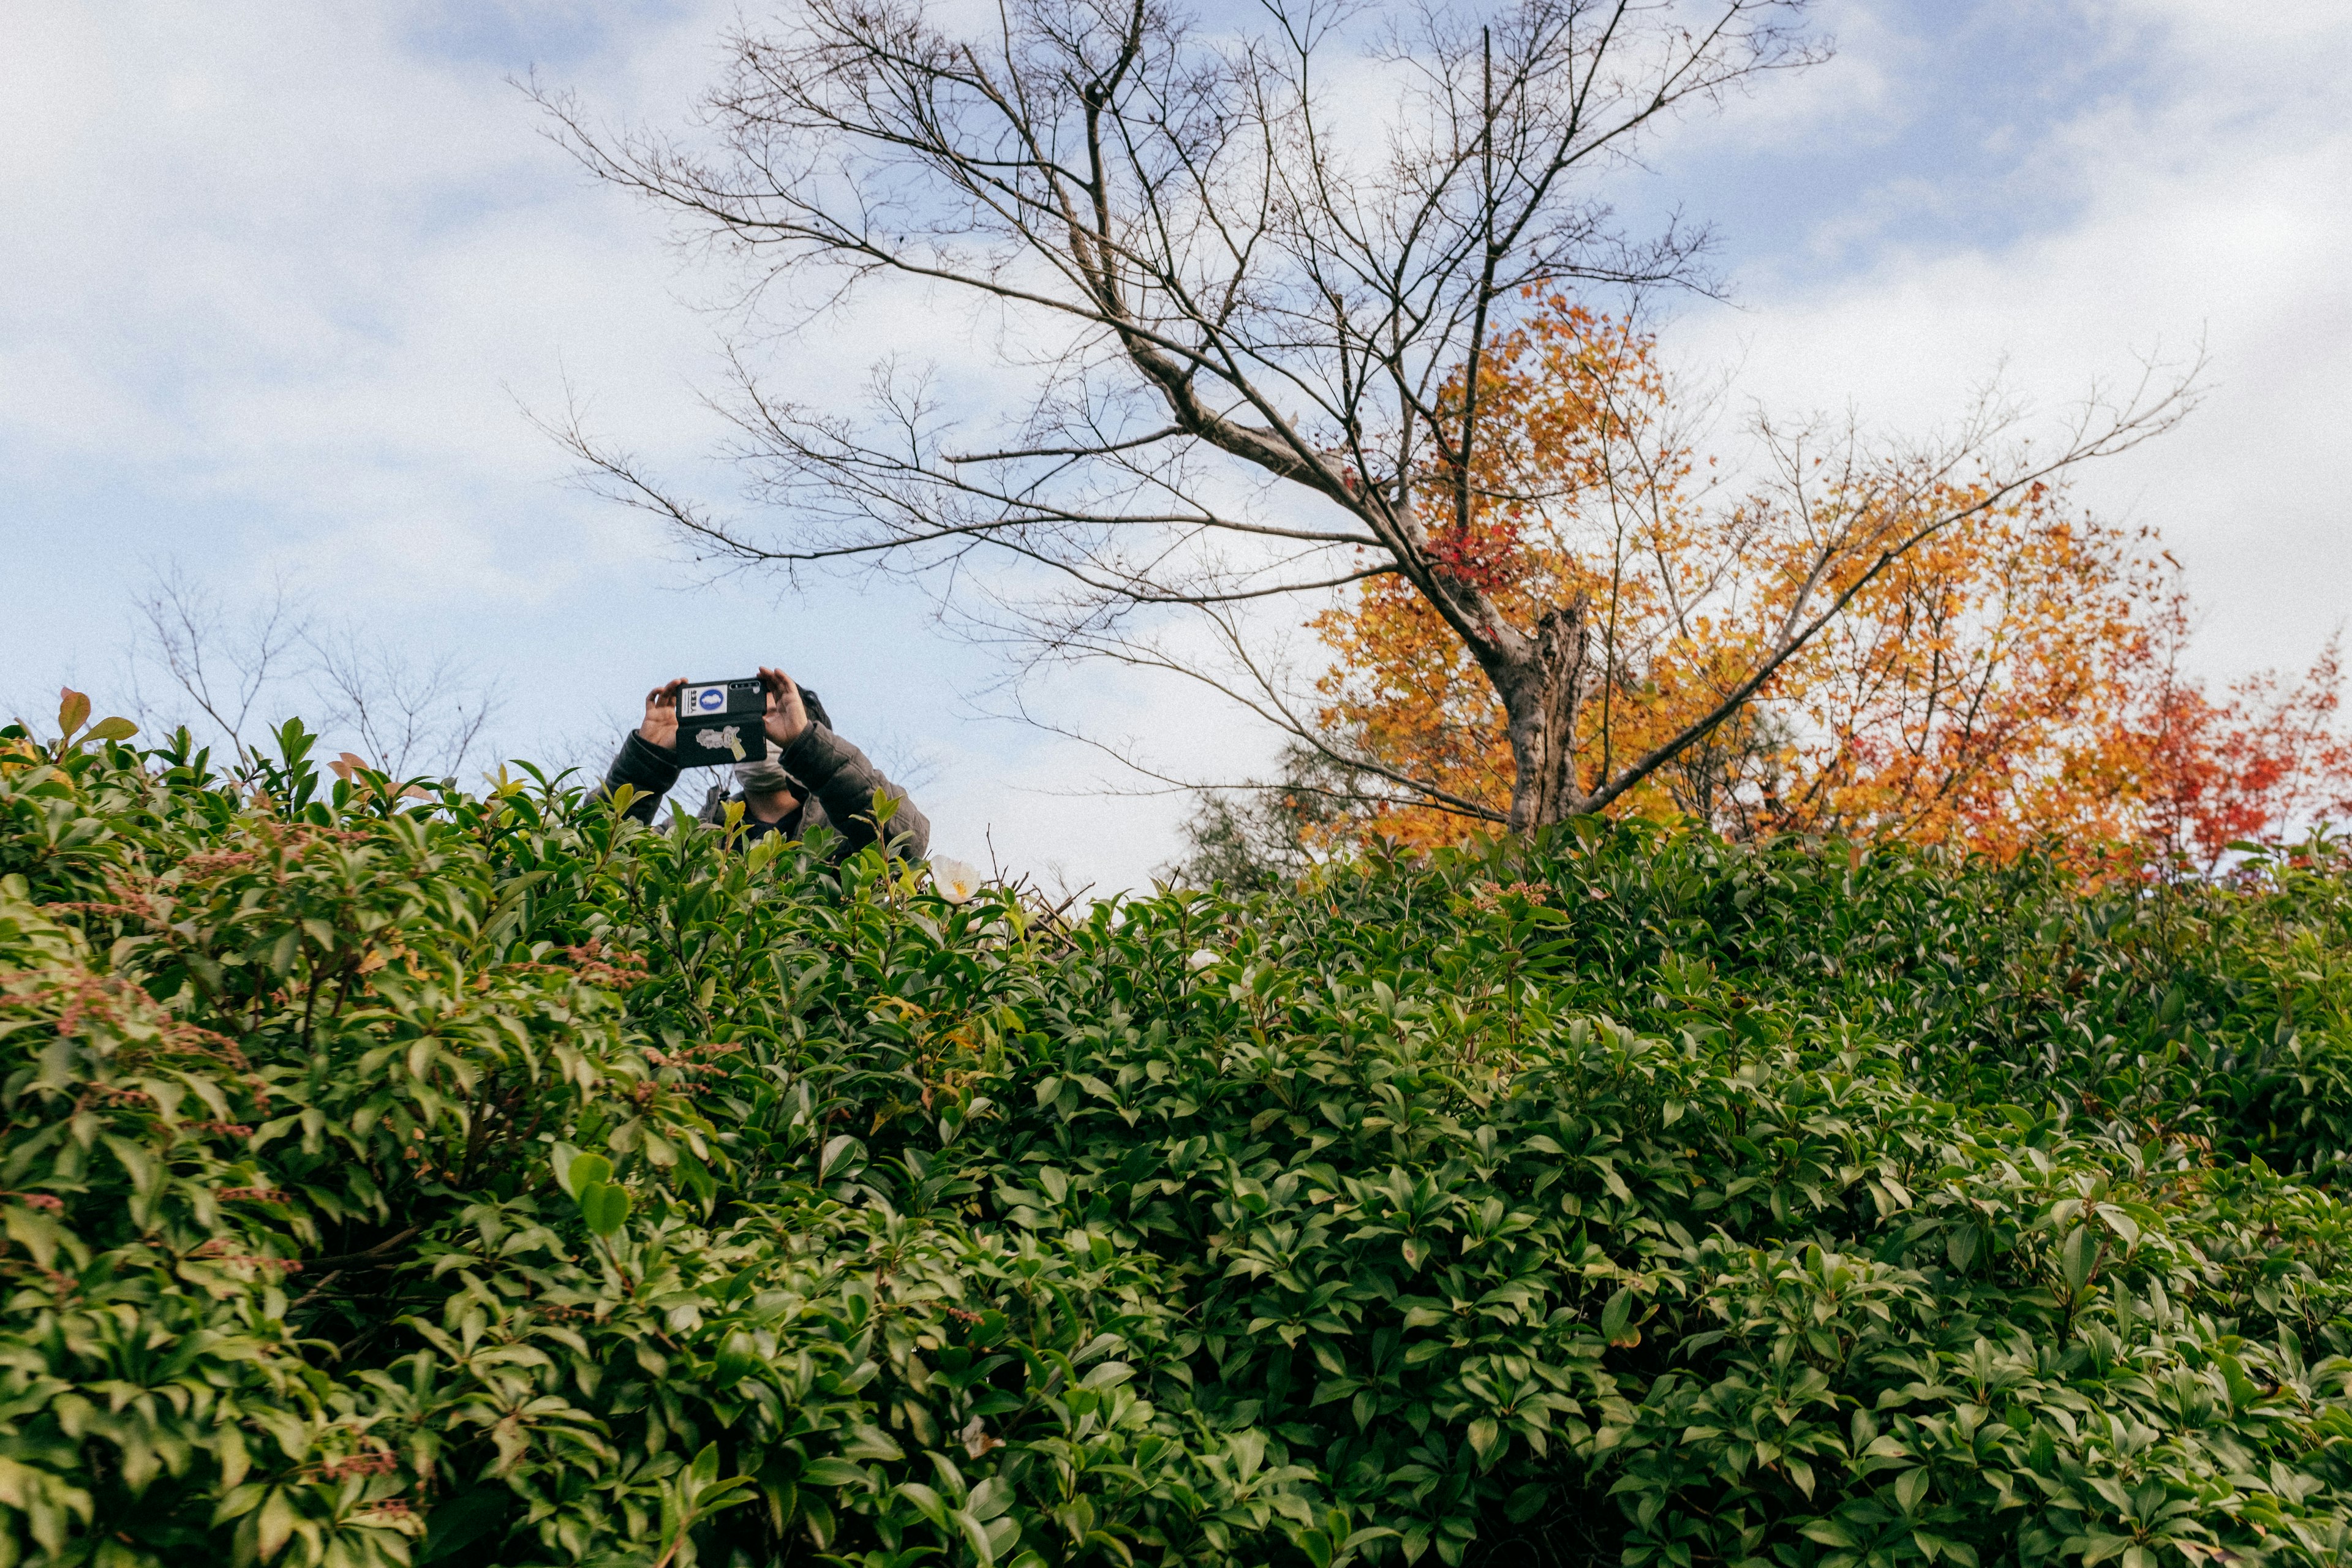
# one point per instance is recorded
(838, 777)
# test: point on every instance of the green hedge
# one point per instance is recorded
(495, 1181)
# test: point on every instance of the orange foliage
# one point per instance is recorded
(1582, 494)
(2195, 777)
(2012, 680)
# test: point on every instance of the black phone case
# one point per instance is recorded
(721, 722)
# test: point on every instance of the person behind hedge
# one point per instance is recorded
(809, 776)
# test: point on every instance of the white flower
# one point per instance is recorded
(1203, 959)
(953, 880)
(976, 1439)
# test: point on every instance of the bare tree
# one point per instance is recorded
(222, 663)
(238, 669)
(405, 714)
(1246, 280)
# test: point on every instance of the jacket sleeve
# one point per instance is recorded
(843, 781)
(651, 769)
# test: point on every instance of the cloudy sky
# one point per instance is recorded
(278, 283)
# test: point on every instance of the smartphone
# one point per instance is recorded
(721, 722)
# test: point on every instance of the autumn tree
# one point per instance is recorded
(2013, 682)
(1245, 285)
(2189, 775)
(1971, 649)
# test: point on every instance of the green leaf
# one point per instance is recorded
(840, 1151)
(832, 1472)
(575, 1170)
(1617, 1318)
(1960, 1246)
(927, 1502)
(464, 1520)
(275, 1523)
(604, 1205)
(1485, 1438)
(976, 1534)
(2077, 1256)
(872, 1443)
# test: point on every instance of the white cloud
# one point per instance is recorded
(282, 257)
(2207, 205)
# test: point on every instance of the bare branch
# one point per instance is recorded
(405, 714)
(224, 665)
(2161, 400)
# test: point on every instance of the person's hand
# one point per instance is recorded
(787, 718)
(660, 728)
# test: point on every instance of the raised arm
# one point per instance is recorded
(842, 778)
(648, 760)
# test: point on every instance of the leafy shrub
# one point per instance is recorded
(492, 1180)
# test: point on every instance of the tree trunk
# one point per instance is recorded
(1542, 696)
